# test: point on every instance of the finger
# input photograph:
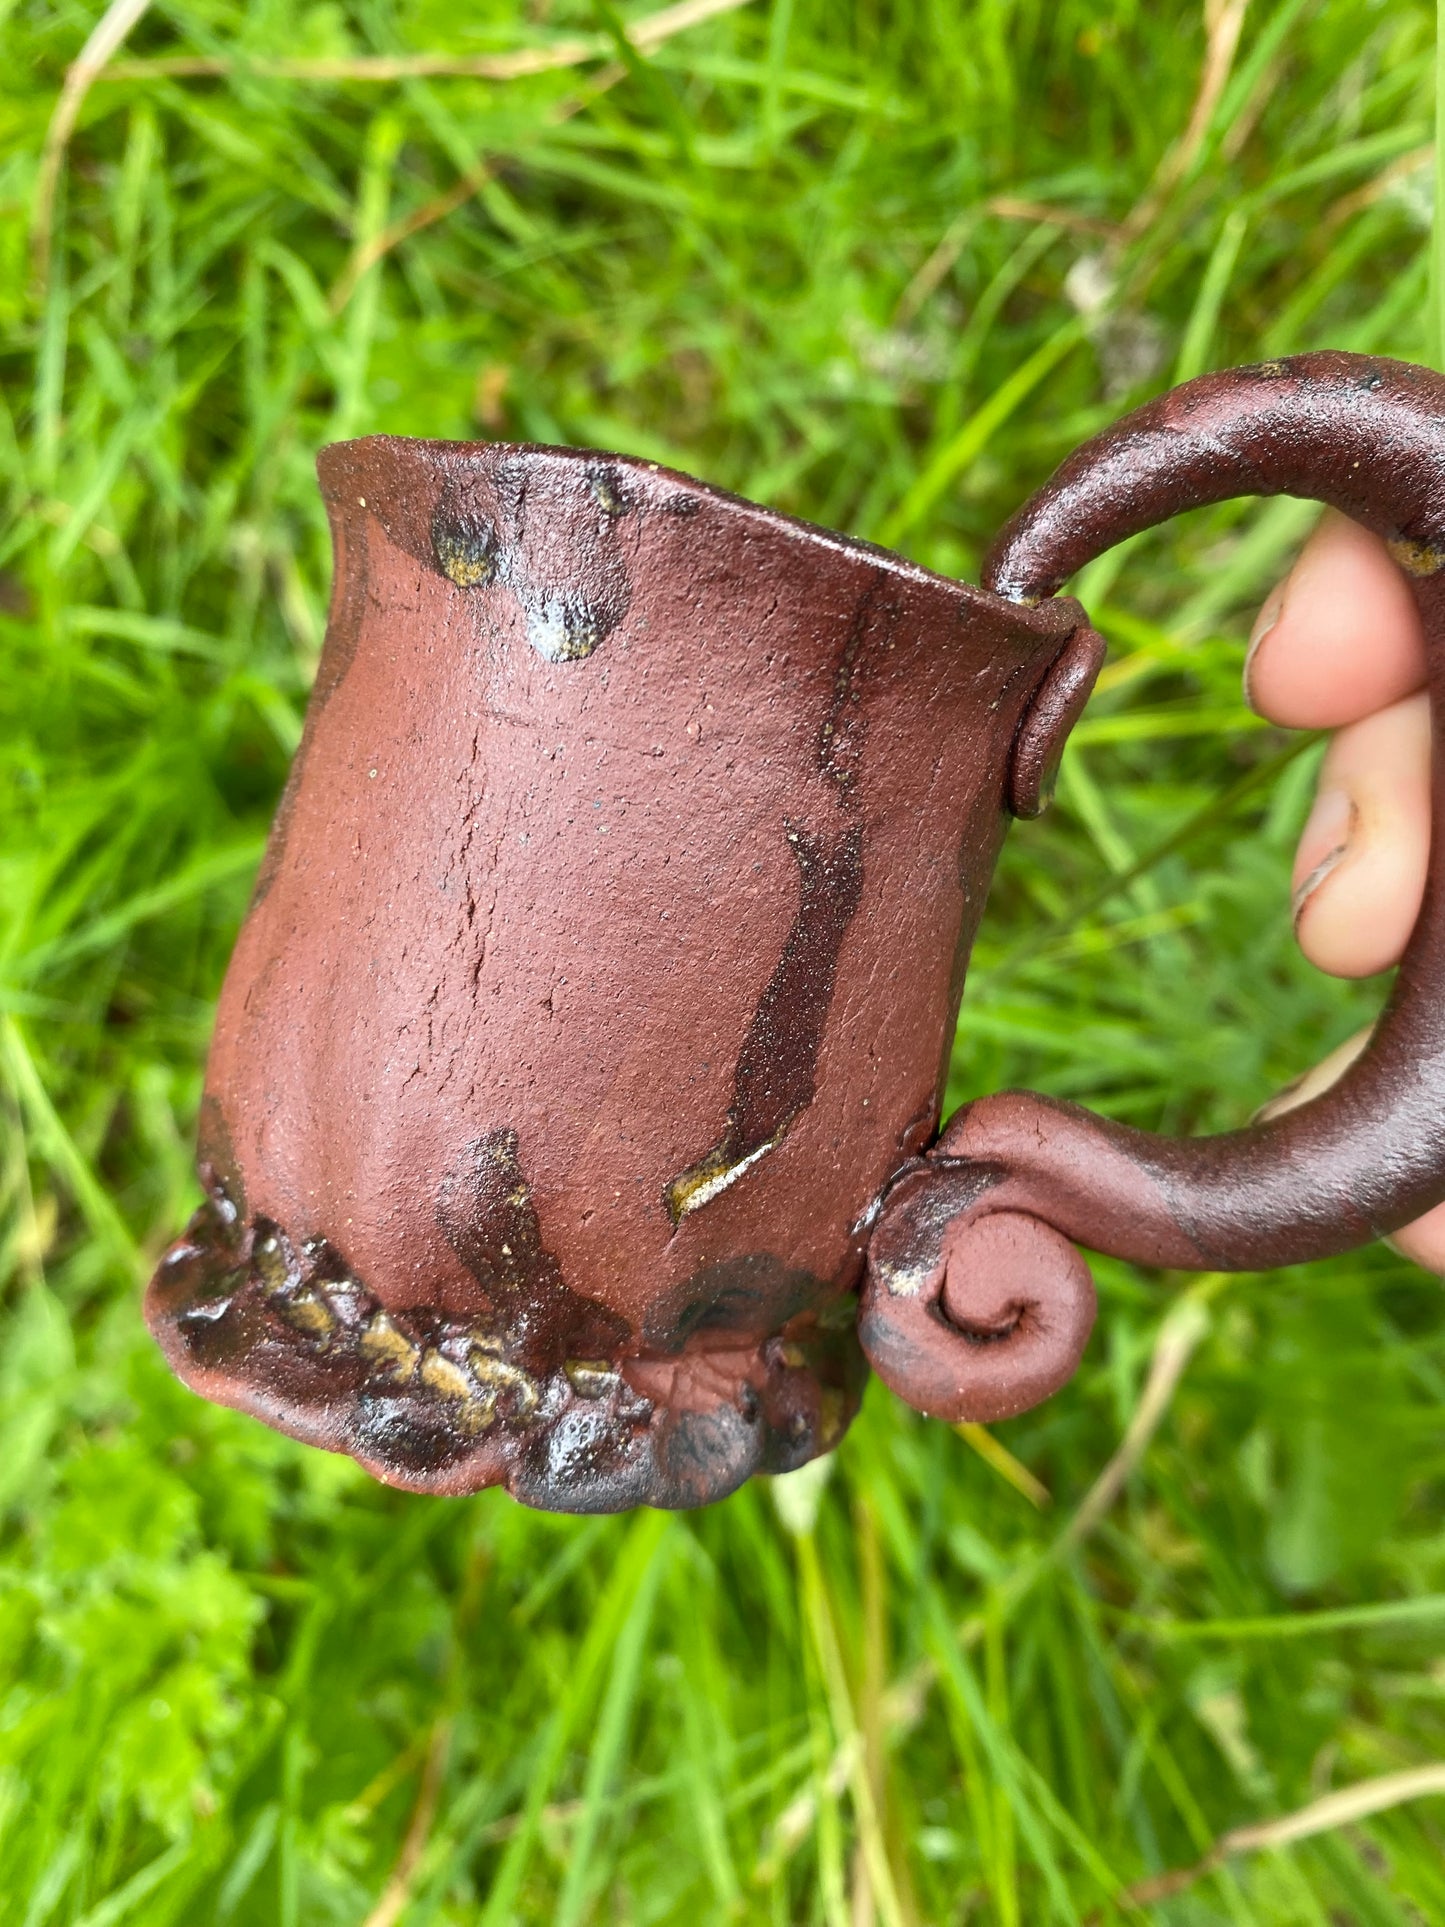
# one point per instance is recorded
(1340, 636)
(1423, 1242)
(1317, 1079)
(1360, 868)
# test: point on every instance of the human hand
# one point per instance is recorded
(1338, 646)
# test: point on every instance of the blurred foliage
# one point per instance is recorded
(881, 266)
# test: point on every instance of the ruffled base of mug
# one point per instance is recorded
(249, 1319)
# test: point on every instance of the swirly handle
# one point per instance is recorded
(976, 1305)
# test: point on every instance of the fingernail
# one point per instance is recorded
(1268, 616)
(1328, 831)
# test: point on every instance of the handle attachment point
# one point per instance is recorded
(1039, 746)
(971, 1313)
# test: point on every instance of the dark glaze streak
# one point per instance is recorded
(465, 545)
(220, 1168)
(840, 740)
(607, 485)
(485, 1209)
(754, 1291)
(514, 530)
(776, 1073)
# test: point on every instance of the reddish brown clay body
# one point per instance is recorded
(580, 1060)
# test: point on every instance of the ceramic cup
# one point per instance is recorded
(571, 1120)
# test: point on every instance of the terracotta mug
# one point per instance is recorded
(571, 1117)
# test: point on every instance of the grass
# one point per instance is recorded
(881, 266)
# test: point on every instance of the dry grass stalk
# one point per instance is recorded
(1008, 207)
(115, 24)
(646, 35)
(397, 1891)
(1178, 1339)
(108, 34)
(1339, 1809)
(996, 1454)
(902, 1705)
(376, 247)
(1349, 205)
(1223, 23)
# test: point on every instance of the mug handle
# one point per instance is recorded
(976, 1304)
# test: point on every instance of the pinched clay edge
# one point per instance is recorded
(284, 1330)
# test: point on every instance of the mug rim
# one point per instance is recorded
(1037, 611)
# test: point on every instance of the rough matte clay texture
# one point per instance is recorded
(600, 976)
(1367, 1156)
